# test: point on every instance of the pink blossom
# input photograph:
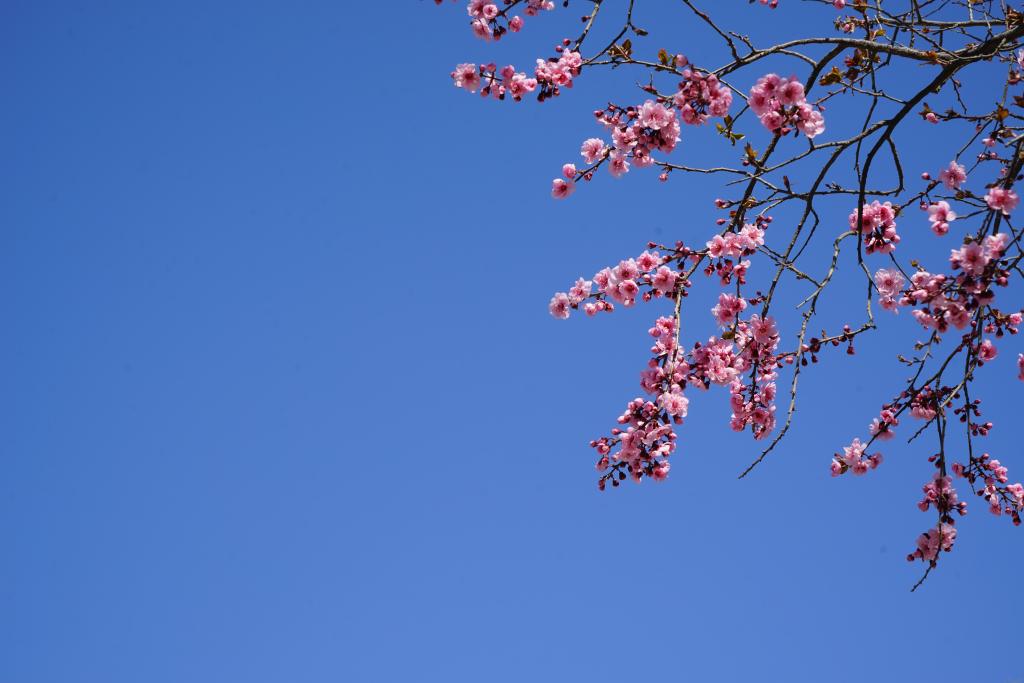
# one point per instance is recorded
(481, 29)
(700, 96)
(660, 471)
(618, 166)
(780, 103)
(627, 269)
(882, 427)
(987, 351)
(1001, 199)
(592, 150)
(940, 493)
(717, 360)
(889, 281)
(852, 459)
(941, 216)
(559, 306)
(475, 8)
(728, 309)
(971, 258)
(763, 329)
(559, 73)
(648, 261)
(953, 176)
(664, 280)
(579, 291)
(878, 225)
(995, 245)
(674, 403)
(560, 189)
(655, 116)
(466, 76)
(932, 541)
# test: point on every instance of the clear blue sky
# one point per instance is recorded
(282, 400)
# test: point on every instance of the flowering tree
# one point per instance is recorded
(959, 308)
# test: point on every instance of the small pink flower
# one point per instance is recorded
(627, 269)
(763, 329)
(655, 116)
(664, 280)
(466, 76)
(618, 166)
(560, 189)
(953, 176)
(592, 150)
(728, 309)
(931, 542)
(674, 403)
(648, 261)
(1001, 199)
(660, 472)
(475, 8)
(889, 281)
(941, 216)
(971, 258)
(559, 306)
(481, 29)
(987, 351)
(579, 291)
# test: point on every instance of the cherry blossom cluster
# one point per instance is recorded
(643, 446)
(884, 426)
(725, 251)
(953, 176)
(940, 494)
(488, 22)
(495, 83)
(949, 300)
(653, 126)
(941, 215)
(549, 75)
(781, 105)
(878, 226)
(743, 358)
(1001, 496)
(890, 283)
(931, 542)
(853, 459)
(636, 132)
(1002, 200)
(753, 405)
(621, 284)
(955, 303)
(556, 73)
(646, 443)
(701, 96)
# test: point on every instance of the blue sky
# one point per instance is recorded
(284, 403)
